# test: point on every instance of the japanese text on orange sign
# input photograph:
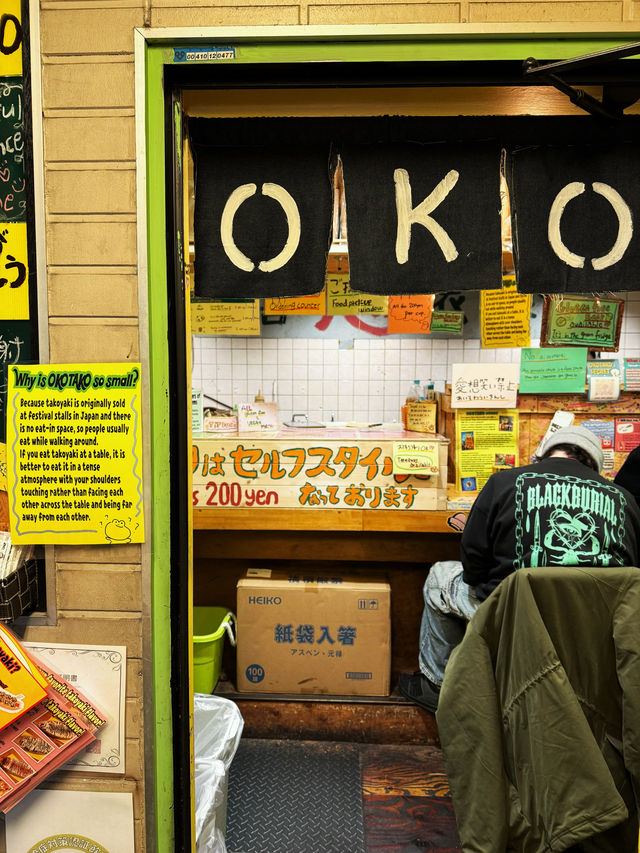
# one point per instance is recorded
(312, 476)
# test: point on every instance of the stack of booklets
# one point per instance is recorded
(44, 721)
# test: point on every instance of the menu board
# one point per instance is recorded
(74, 454)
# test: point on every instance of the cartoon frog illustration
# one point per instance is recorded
(117, 532)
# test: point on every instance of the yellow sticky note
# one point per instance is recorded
(14, 271)
(344, 301)
(12, 35)
(314, 304)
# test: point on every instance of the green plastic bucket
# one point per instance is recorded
(209, 627)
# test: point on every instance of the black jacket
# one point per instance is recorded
(629, 475)
(555, 512)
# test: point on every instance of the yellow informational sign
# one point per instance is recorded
(3, 467)
(485, 442)
(14, 271)
(241, 317)
(410, 314)
(505, 317)
(314, 304)
(416, 457)
(11, 39)
(74, 454)
(342, 300)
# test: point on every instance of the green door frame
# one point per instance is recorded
(154, 49)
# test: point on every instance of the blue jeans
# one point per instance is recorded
(449, 603)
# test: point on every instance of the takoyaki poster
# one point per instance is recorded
(74, 454)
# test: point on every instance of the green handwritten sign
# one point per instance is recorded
(582, 321)
(553, 371)
(447, 321)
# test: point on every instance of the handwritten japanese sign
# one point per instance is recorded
(314, 304)
(234, 471)
(239, 317)
(410, 314)
(74, 454)
(505, 317)
(553, 371)
(582, 321)
(482, 385)
(14, 281)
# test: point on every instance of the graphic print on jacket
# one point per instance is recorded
(583, 521)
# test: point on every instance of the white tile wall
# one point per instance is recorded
(366, 383)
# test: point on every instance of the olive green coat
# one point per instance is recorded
(539, 714)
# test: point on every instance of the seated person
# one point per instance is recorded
(557, 511)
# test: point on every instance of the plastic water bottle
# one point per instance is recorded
(415, 393)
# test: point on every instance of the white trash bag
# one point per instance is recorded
(217, 727)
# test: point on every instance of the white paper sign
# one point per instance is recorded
(100, 673)
(484, 386)
(71, 820)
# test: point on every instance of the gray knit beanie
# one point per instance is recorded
(580, 437)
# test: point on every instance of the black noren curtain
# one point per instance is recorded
(262, 219)
(572, 219)
(423, 218)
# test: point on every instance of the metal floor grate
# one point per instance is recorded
(295, 797)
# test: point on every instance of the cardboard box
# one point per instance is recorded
(321, 634)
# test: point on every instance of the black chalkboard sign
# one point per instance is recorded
(13, 197)
(15, 348)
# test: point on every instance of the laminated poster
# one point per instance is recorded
(561, 370)
(505, 317)
(237, 317)
(486, 441)
(627, 434)
(482, 385)
(605, 431)
(632, 374)
(14, 272)
(71, 820)
(603, 380)
(74, 454)
(100, 672)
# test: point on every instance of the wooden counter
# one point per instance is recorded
(258, 518)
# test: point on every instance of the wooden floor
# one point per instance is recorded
(407, 803)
